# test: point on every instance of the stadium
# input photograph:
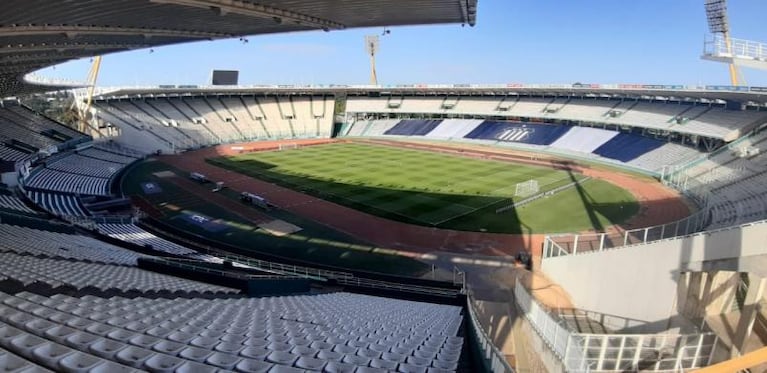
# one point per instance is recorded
(370, 228)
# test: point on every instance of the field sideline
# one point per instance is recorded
(438, 190)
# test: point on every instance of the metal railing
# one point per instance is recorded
(570, 244)
(494, 357)
(717, 45)
(582, 352)
(344, 278)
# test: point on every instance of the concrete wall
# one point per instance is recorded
(640, 281)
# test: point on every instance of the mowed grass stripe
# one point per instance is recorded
(423, 187)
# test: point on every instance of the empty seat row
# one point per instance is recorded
(58, 181)
(59, 204)
(24, 240)
(79, 275)
(87, 166)
(245, 334)
(14, 203)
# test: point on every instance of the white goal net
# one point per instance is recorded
(288, 146)
(527, 188)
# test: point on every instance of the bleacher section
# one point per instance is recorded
(136, 235)
(24, 132)
(86, 166)
(733, 182)
(517, 132)
(84, 172)
(180, 123)
(41, 243)
(11, 202)
(633, 149)
(453, 128)
(626, 147)
(705, 120)
(80, 275)
(413, 127)
(338, 332)
(58, 204)
(583, 139)
(58, 181)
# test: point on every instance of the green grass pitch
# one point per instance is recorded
(439, 190)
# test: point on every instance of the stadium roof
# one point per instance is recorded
(39, 33)
(749, 95)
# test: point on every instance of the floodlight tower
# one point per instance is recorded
(719, 26)
(371, 45)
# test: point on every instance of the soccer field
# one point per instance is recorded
(439, 190)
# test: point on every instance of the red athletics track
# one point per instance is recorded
(417, 239)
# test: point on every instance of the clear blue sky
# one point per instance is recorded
(525, 41)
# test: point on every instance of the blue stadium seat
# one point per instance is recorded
(627, 146)
(528, 133)
(413, 127)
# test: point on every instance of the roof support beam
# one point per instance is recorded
(73, 31)
(58, 48)
(259, 11)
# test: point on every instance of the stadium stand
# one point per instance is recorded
(378, 127)
(11, 202)
(583, 139)
(181, 123)
(666, 154)
(413, 127)
(13, 155)
(80, 275)
(517, 132)
(330, 332)
(86, 166)
(134, 234)
(106, 155)
(57, 181)
(44, 243)
(626, 147)
(704, 120)
(453, 129)
(58, 204)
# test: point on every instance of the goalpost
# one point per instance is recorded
(527, 188)
(287, 146)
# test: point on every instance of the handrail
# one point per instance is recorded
(497, 359)
(738, 364)
(583, 352)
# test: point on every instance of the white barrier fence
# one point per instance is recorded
(569, 244)
(581, 352)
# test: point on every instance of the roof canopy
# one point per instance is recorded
(39, 33)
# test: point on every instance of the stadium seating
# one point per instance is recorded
(583, 139)
(58, 204)
(80, 275)
(106, 155)
(701, 119)
(136, 235)
(518, 132)
(175, 124)
(627, 146)
(665, 155)
(58, 181)
(43, 243)
(86, 166)
(13, 155)
(85, 172)
(11, 202)
(413, 127)
(330, 332)
(380, 126)
(453, 128)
